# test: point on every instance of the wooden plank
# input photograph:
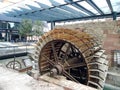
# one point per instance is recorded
(25, 69)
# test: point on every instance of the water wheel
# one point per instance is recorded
(73, 54)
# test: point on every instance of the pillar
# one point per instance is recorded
(114, 15)
(52, 25)
(7, 33)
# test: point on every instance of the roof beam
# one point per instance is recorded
(95, 6)
(89, 17)
(54, 3)
(33, 17)
(43, 14)
(48, 13)
(60, 14)
(19, 13)
(10, 13)
(53, 10)
(57, 6)
(75, 4)
(110, 5)
(83, 9)
(60, 10)
(52, 14)
(3, 17)
(14, 12)
(76, 13)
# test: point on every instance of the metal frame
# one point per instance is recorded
(52, 25)
(61, 12)
(95, 6)
(110, 5)
(9, 19)
(79, 7)
(90, 17)
(54, 3)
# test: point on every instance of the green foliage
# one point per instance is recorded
(25, 28)
(38, 28)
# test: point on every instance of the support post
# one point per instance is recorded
(52, 25)
(114, 15)
(7, 34)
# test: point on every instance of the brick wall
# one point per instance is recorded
(111, 42)
(107, 32)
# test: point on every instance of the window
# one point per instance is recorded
(117, 57)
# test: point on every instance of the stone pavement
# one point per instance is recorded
(13, 80)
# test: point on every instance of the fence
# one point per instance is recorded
(14, 51)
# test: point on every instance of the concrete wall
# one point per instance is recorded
(107, 32)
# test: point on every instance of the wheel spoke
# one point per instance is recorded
(72, 48)
(75, 65)
(54, 52)
(74, 51)
(65, 56)
(50, 61)
(66, 74)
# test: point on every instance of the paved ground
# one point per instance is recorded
(12, 80)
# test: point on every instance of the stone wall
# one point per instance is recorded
(107, 33)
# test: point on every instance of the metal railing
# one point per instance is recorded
(15, 49)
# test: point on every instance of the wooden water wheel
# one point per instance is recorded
(73, 54)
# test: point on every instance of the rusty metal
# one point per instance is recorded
(14, 65)
(73, 54)
(25, 69)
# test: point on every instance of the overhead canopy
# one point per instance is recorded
(60, 10)
(9, 19)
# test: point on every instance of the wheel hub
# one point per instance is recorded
(57, 70)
